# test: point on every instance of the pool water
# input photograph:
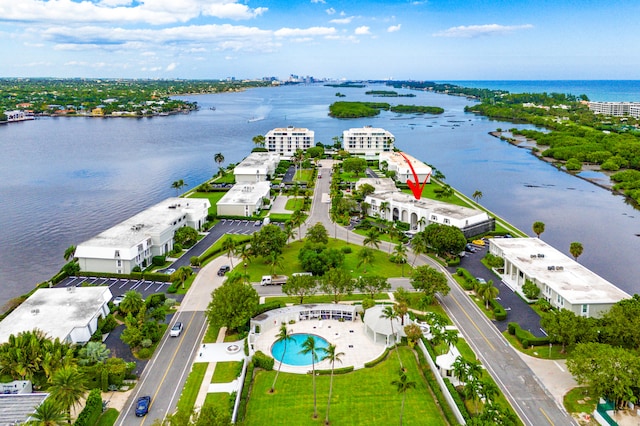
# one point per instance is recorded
(294, 346)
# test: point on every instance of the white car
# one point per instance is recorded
(176, 330)
(117, 300)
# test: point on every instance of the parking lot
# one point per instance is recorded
(242, 227)
(119, 286)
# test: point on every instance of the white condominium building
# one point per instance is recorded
(287, 140)
(367, 141)
(136, 240)
(616, 109)
(256, 167)
(404, 165)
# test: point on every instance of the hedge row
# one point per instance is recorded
(268, 307)
(435, 388)
(525, 337)
(244, 396)
(469, 279)
(377, 360)
(151, 276)
(498, 311)
(457, 399)
(343, 370)
(263, 361)
(92, 409)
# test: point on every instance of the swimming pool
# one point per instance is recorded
(294, 346)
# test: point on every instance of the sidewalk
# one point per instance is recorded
(553, 375)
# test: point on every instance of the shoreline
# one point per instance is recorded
(522, 143)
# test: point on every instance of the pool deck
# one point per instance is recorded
(348, 336)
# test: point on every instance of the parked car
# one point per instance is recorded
(117, 300)
(176, 329)
(142, 407)
(481, 280)
(223, 270)
(169, 271)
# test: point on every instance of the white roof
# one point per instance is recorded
(257, 163)
(153, 221)
(565, 276)
(381, 185)
(433, 206)
(398, 163)
(246, 193)
(55, 311)
(375, 321)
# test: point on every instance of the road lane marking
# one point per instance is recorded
(545, 416)
(559, 366)
(173, 358)
(472, 322)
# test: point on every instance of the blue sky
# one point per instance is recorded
(421, 40)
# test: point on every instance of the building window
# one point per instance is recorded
(117, 253)
(119, 262)
(446, 221)
(585, 309)
(434, 217)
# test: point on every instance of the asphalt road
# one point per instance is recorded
(164, 377)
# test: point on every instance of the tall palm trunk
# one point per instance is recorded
(273, 386)
(313, 371)
(404, 395)
(326, 420)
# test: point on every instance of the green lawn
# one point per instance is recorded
(226, 372)
(303, 175)
(192, 387)
(212, 334)
(580, 400)
(108, 418)
(294, 204)
(213, 198)
(363, 397)
(219, 400)
(289, 264)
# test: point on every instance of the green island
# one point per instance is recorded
(347, 85)
(343, 109)
(389, 93)
(78, 97)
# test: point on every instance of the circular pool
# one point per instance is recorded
(291, 350)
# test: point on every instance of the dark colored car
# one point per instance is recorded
(223, 270)
(142, 407)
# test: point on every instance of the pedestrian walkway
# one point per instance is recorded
(279, 204)
(553, 374)
(213, 353)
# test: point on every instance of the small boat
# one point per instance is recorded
(212, 108)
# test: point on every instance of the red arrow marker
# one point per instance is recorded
(416, 188)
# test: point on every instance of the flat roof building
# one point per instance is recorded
(399, 206)
(257, 167)
(287, 140)
(563, 282)
(69, 314)
(404, 165)
(136, 240)
(616, 109)
(367, 141)
(244, 199)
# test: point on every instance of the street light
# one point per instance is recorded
(245, 272)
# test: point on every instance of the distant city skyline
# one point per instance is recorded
(378, 39)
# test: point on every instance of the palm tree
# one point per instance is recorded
(67, 388)
(400, 253)
(275, 260)
(69, 253)
(418, 245)
(477, 195)
(538, 228)
(289, 231)
(488, 390)
(575, 249)
(331, 356)
(449, 337)
(365, 256)
(421, 222)
(219, 158)
(487, 292)
(471, 389)
(132, 302)
(389, 313)
(182, 274)
(309, 347)
(282, 336)
(93, 353)
(384, 207)
(258, 140)
(402, 386)
(297, 219)
(48, 414)
(372, 238)
(178, 185)
(401, 308)
(228, 246)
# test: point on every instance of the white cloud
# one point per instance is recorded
(342, 21)
(297, 32)
(154, 12)
(330, 11)
(363, 30)
(480, 30)
(394, 28)
(318, 1)
(172, 66)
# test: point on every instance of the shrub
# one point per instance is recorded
(346, 249)
(511, 327)
(267, 307)
(457, 399)
(145, 353)
(146, 343)
(530, 290)
(244, 396)
(154, 300)
(343, 370)
(498, 311)
(107, 325)
(526, 338)
(136, 268)
(92, 409)
(194, 260)
(453, 262)
(263, 361)
(177, 248)
(173, 288)
(377, 360)
(158, 260)
(544, 305)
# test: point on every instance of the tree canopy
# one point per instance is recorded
(232, 304)
(268, 240)
(429, 281)
(445, 240)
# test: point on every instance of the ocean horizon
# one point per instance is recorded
(596, 90)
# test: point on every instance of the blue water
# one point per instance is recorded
(596, 90)
(64, 180)
(292, 355)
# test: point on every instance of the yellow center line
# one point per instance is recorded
(173, 357)
(545, 416)
(472, 322)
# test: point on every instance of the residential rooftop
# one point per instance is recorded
(55, 311)
(246, 193)
(565, 276)
(433, 206)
